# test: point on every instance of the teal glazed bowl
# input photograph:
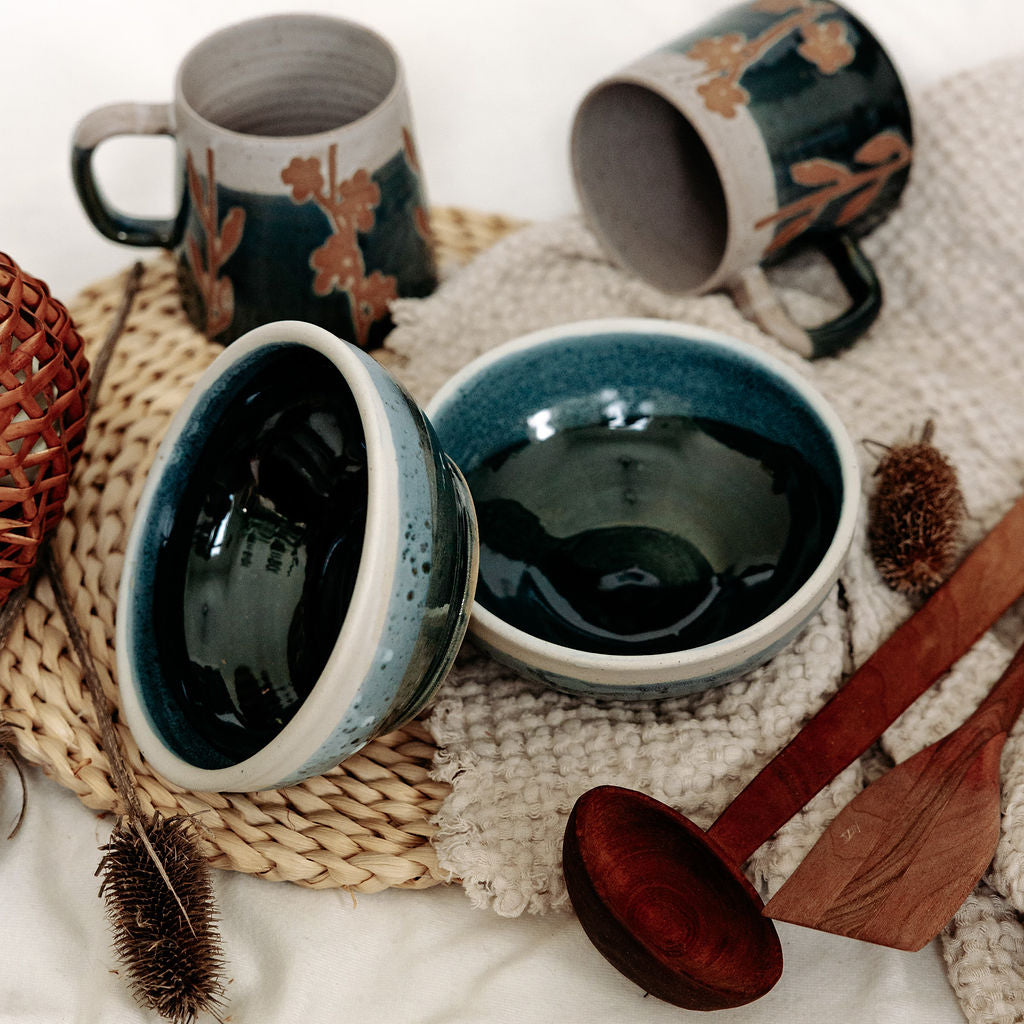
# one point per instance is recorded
(300, 569)
(661, 508)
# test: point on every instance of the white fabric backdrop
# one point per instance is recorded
(494, 85)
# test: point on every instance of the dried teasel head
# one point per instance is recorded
(915, 516)
(164, 928)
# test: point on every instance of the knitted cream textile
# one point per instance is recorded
(949, 345)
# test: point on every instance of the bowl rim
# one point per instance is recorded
(353, 654)
(656, 671)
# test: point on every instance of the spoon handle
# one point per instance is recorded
(983, 586)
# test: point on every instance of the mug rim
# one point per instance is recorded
(654, 671)
(393, 95)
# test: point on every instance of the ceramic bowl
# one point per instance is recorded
(300, 568)
(661, 507)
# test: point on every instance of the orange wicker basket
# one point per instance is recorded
(44, 384)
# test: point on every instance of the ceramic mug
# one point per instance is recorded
(300, 192)
(779, 124)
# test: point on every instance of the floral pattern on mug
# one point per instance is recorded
(726, 58)
(880, 157)
(219, 242)
(349, 206)
(825, 45)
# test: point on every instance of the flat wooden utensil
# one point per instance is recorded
(898, 861)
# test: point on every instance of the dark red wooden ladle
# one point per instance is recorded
(666, 902)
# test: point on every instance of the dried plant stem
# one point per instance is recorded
(177, 975)
(175, 972)
(122, 779)
(99, 365)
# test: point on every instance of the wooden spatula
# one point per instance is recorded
(899, 860)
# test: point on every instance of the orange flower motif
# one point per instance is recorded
(719, 53)
(221, 309)
(723, 96)
(304, 177)
(350, 207)
(410, 150)
(423, 226)
(829, 181)
(219, 240)
(337, 264)
(358, 198)
(726, 58)
(826, 46)
(374, 294)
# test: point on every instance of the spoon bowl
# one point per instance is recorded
(686, 925)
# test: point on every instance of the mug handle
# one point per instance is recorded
(757, 300)
(98, 126)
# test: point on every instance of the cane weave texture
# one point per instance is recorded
(44, 385)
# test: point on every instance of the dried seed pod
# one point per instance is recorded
(916, 515)
(164, 927)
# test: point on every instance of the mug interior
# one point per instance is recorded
(288, 75)
(649, 186)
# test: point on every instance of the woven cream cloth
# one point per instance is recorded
(948, 346)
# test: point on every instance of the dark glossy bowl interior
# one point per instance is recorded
(257, 553)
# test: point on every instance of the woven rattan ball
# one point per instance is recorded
(44, 385)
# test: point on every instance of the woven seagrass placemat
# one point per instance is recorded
(366, 824)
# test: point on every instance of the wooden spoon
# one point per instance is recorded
(666, 903)
(899, 860)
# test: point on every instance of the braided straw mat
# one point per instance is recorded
(366, 824)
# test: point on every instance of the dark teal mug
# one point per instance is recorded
(780, 124)
(301, 196)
